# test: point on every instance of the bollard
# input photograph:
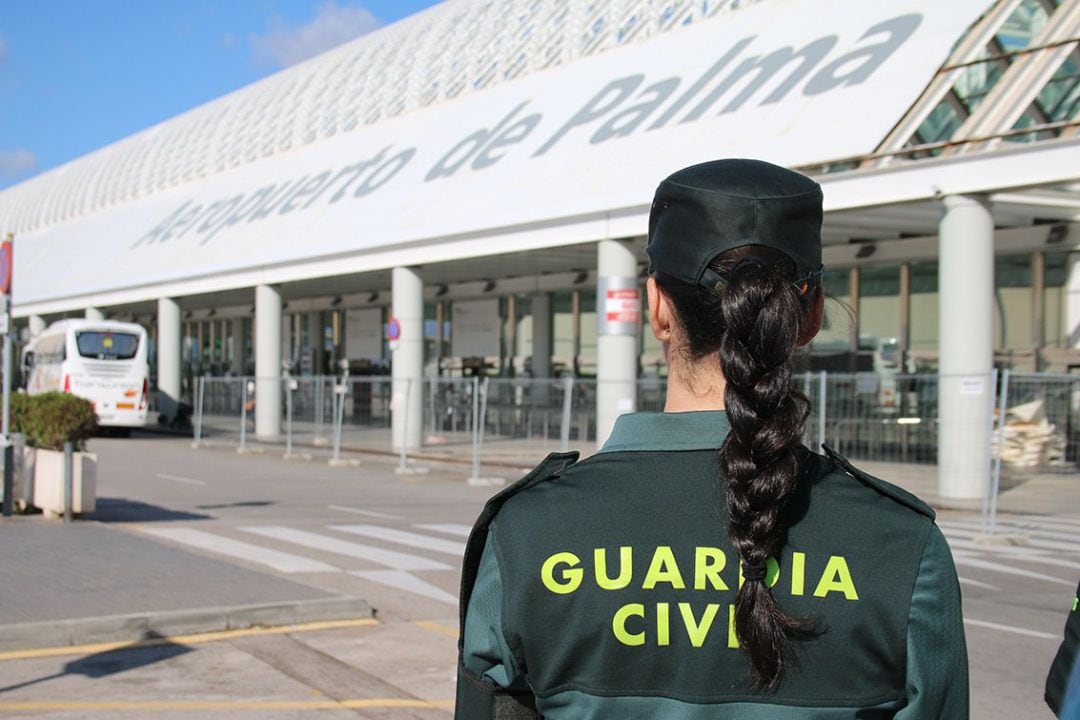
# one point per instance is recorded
(990, 504)
(290, 385)
(243, 415)
(9, 476)
(339, 418)
(567, 408)
(200, 405)
(404, 460)
(69, 480)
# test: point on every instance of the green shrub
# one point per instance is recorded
(50, 419)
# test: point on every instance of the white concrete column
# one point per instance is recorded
(267, 361)
(541, 335)
(966, 394)
(618, 317)
(407, 359)
(169, 356)
(94, 314)
(1072, 301)
(37, 325)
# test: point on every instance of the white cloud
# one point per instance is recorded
(284, 45)
(15, 162)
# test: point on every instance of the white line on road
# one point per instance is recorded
(962, 548)
(285, 562)
(405, 581)
(448, 528)
(1046, 544)
(177, 478)
(1010, 628)
(976, 583)
(389, 558)
(1009, 570)
(1026, 529)
(358, 511)
(424, 542)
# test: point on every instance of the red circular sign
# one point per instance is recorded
(393, 329)
(7, 261)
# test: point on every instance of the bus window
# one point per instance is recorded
(107, 345)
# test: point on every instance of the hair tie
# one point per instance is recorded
(754, 572)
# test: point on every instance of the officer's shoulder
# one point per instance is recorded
(549, 470)
(841, 464)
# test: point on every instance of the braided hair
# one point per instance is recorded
(753, 320)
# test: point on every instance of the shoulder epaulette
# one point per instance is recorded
(550, 467)
(885, 488)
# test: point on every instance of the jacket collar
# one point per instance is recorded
(650, 431)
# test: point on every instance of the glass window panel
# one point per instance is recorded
(836, 324)
(1055, 317)
(940, 124)
(1060, 99)
(1023, 25)
(923, 312)
(1012, 302)
(879, 304)
(976, 81)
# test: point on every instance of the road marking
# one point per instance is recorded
(359, 511)
(437, 627)
(1010, 628)
(204, 705)
(448, 528)
(976, 583)
(1010, 552)
(407, 582)
(177, 478)
(396, 560)
(1025, 529)
(198, 639)
(1047, 544)
(1009, 570)
(285, 562)
(424, 542)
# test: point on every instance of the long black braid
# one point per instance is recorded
(753, 321)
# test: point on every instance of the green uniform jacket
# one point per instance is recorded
(604, 592)
(1064, 665)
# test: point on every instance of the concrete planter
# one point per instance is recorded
(45, 469)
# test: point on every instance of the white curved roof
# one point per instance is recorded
(473, 128)
(451, 50)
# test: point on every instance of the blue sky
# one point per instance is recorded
(76, 75)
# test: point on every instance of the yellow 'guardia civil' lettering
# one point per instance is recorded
(562, 573)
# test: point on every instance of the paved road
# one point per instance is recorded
(396, 541)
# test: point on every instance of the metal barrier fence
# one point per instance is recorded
(1033, 419)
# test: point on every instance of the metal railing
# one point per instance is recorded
(1033, 419)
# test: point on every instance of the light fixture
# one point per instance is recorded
(489, 286)
(336, 301)
(1057, 234)
(867, 247)
(373, 296)
(581, 277)
(212, 313)
(441, 290)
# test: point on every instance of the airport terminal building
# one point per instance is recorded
(467, 191)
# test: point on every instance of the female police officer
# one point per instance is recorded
(704, 564)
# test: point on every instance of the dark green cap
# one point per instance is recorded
(704, 210)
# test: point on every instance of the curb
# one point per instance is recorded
(141, 626)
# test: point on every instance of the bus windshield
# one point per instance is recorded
(107, 345)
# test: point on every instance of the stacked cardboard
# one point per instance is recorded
(1029, 439)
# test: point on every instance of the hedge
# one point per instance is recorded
(50, 419)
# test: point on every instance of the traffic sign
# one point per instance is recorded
(393, 329)
(7, 262)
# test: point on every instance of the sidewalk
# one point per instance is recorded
(87, 583)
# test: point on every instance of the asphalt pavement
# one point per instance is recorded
(247, 585)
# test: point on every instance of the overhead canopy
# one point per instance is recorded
(795, 82)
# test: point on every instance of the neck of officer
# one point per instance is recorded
(694, 386)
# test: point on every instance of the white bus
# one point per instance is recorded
(100, 360)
